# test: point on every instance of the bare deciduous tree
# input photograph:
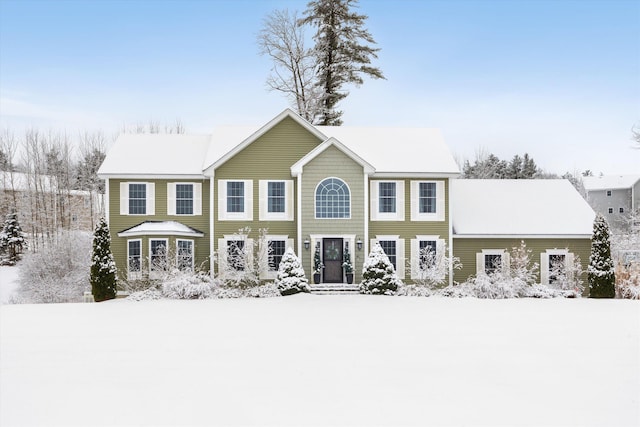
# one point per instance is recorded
(293, 72)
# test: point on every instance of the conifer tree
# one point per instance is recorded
(343, 52)
(378, 274)
(103, 266)
(600, 273)
(12, 238)
(291, 278)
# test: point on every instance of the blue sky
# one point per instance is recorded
(557, 79)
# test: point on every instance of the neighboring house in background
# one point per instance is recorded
(329, 188)
(39, 203)
(616, 197)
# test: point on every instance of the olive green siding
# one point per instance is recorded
(119, 223)
(333, 163)
(466, 250)
(408, 229)
(268, 157)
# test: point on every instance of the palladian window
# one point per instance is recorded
(333, 199)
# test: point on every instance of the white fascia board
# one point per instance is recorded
(296, 169)
(414, 175)
(522, 236)
(264, 129)
(160, 233)
(142, 176)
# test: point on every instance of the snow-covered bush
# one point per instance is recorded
(58, 272)
(267, 290)
(145, 295)
(243, 259)
(429, 271)
(378, 275)
(601, 273)
(12, 240)
(291, 278)
(628, 280)
(103, 266)
(567, 276)
(187, 285)
(414, 290)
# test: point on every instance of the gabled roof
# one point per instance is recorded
(390, 151)
(160, 228)
(609, 182)
(514, 208)
(156, 154)
(296, 169)
(220, 151)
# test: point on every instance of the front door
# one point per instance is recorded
(332, 260)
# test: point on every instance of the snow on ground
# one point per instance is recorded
(8, 282)
(322, 360)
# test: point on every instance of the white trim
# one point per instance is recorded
(222, 250)
(134, 176)
(134, 275)
(212, 247)
(346, 238)
(315, 191)
(416, 175)
(450, 232)
(439, 214)
(160, 233)
(247, 214)
(400, 251)
(522, 236)
(193, 252)
(299, 209)
(106, 200)
(172, 197)
(150, 198)
(297, 167)
(265, 273)
(365, 238)
(263, 197)
(376, 215)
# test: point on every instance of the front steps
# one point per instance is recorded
(334, 289)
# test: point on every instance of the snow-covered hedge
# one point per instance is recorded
(268, 290)
(187, 285)
(628, 281)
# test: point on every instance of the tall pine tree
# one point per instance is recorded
(103, 266)
(600, 273)
(343, 52)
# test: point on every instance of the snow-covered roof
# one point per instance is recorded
(609, 182)
(156, 154)
(161, 228)
(389, 150)
(511, 208)
(18, 181)
(397, 150)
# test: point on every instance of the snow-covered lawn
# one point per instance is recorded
(8, 282)
(322, 360)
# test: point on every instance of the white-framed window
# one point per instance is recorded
(234, 252)
(137, 198)
(158, 257)
(393, 247)
(621, 210)
(333, 199)
(427, 201)
(608, 193)
(134, 259)
(490, 260)
(235, 200)
(426, 251)
(387, 200)
(184, 254)
(610, 210)
(553, 265)
(184, 198)
(276, 200)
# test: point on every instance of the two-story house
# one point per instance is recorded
(616, 197)
(317, 188)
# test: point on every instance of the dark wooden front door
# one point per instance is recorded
(332, 260)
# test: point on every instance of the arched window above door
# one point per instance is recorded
(333, 199)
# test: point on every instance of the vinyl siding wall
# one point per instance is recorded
(466, 250)
(333, 163)
(118, 223)
(408, 229)
(269, 157)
